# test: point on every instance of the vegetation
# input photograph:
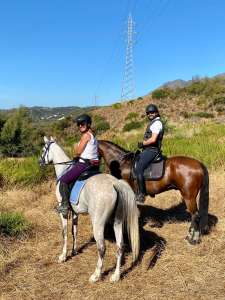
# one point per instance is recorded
(100, 124)
(23, 171)
(117, 105)
(132, 125)
(13, 224)
(204, 142)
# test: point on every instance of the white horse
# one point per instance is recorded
(102, 195)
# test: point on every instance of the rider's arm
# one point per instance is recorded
(151, 140)
(78, 149)
(155, 128)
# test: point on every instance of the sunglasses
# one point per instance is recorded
(81, 124)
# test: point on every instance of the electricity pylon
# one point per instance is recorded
(128, 84)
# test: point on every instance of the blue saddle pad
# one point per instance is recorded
(75, 192)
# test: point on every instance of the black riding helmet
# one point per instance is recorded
(151, 108)
(84, 118)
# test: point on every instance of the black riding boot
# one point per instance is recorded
(65, 193)
(140, 197)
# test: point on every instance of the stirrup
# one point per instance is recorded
(140, 198)
(63, 210)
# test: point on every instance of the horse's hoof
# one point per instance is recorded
(61, 259)
(94, 278)
(192, 242)
(115, 277)
(74, 253)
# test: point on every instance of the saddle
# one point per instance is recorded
(89, 172)
(155, 171)
(77, 186)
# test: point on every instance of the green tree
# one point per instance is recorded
(17, 134)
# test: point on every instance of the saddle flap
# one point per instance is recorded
(155, 171)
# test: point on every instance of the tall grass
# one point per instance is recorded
(22, 172)
(205, 142)
(13, 224)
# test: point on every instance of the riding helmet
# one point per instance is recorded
(84, 118)
(151, 108)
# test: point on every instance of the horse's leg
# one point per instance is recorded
(193, 236)
(74, 233)
(118, 229)
(64, 221)
(62, 257)
(98, 230)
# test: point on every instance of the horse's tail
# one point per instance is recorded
(204, 202)
(130, 214)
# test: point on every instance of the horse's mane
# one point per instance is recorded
(115, 145)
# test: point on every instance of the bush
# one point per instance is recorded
(117, 105)
(132, 125)
(160, 94)
(203, 114)
(18, 136)
(131, 116)
(101, 125)
(13, 224)
(23, 172)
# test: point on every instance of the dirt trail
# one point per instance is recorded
(30, 269)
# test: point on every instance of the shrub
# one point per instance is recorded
(131, 116)
(101, 125)
(23, 172)
(219, 100)
(185, 114)
(13, 224)
(203, 114)
(160, 93)
(132, 125)
(196, 88)
(117, 105)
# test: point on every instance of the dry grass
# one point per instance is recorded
(29, 270)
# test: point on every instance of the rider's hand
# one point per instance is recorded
(140, 145)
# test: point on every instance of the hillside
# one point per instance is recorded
(39, 113)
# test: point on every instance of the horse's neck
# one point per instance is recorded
(59, 157)
(111, 152)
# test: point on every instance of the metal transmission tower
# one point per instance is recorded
(128, 85)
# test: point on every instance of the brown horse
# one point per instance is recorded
(185, 174)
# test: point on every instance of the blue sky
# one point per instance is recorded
(63, 53)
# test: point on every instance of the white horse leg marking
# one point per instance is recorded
(118, 229)
(99, 237)
(74, 233)
(62, 257)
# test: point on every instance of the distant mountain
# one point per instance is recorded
(39, 113)
(179, 83)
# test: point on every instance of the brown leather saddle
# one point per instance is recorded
(155, 171)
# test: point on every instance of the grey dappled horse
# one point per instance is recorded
(102, 195)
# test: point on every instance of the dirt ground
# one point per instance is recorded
(29, 268)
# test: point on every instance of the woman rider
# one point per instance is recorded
(87, 151)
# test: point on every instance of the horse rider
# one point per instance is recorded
(151, 146)
(87, 153)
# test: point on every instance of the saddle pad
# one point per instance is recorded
(76, 190)
(154, 172)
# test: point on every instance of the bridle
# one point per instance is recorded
(44, 153)
(42, 160)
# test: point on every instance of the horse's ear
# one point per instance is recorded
(45, 139)
(52, 139)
